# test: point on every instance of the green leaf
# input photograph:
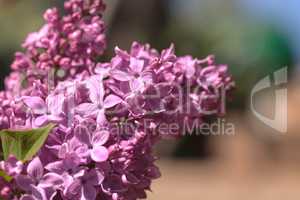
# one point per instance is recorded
(6, 177)
(24, 144)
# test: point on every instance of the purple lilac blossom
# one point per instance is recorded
(67, 45)
(91, 154)
(87, 111)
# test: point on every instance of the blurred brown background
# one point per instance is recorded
(255, 38)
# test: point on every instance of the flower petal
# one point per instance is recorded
(101, 118)
(54, 118)
(51, 180)
(111, 100)
(147, 76)
(86, 108)
(168, 54)
(102, 71)
(55, 104)
(94, 177)
(137, 85)
(120, 75)
(73, 189)
(38, 192)
(129, 178)
(44, 119)
(82, 134)
(122, 54)
(41, 121)
(37, 104)
(99, 154)
(190, 71)
(136, 65)
(100, 137)
(64, 149)
(56, 166)
(24, 182)
(88, 192)
(35, 168)
(95, 86)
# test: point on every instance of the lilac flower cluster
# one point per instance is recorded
(107, 116)
(65, 46)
